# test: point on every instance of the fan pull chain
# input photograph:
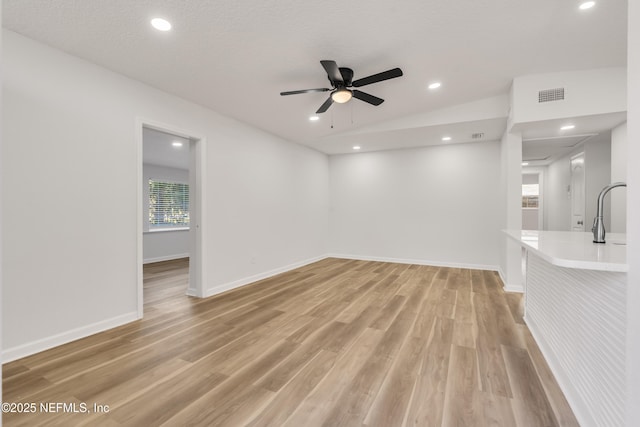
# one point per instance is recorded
(352, 113)
(331, 119)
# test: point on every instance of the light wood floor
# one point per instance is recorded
(335, 343)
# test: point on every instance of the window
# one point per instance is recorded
(168, 205)
(530, 194)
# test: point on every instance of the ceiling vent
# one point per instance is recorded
(477, 135)
(549, 95)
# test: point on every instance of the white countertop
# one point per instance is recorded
(572, 249)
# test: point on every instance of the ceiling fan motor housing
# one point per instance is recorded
(347, 77)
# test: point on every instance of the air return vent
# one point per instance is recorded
(549, 95)
(477, 135)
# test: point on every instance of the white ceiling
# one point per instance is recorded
(235, 57)
(158, 149)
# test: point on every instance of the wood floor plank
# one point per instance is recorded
(314, 409)
(477, 282)
(160, 403)
(464, 334)
(557, 400)
(516, 306)
(388, 312)
(337, 342)
(138, 385)
(392, 401)
(295, 391)
(493, 373)
(530, 403)
(427, 403)
(462, 385)
(233, 392)
(356, 398)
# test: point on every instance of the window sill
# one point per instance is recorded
(163, 230)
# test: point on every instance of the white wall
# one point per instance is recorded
(437, 205)
(69, 132)
(597, 171)
(587, 92)
(618, 197)
(557, 205)
(633, 218)
(597, 158)
(162, 245)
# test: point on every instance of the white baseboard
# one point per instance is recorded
(510, 287)
(247, 280)
(417, 262)
(24, 350)
(165, 258)
(578, 406)
(513, 288)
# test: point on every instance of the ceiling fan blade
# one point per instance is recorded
(375, 78)
(324, 107)
(335, 76)
(362, 96)
(295, 92)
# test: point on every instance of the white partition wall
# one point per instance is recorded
(69, 129)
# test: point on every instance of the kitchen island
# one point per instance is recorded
(575, 307)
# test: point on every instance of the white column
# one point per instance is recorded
(633, 216)
(511, 181)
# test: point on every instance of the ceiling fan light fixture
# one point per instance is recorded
(341, 96)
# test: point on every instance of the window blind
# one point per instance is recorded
(168, 204)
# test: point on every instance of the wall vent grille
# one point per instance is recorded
(549, 95)
(477, 135)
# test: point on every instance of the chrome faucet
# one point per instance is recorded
(598, 223)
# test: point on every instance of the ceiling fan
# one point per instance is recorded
(341, 80)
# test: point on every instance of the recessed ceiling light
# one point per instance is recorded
(176, 144)
(567, 127)
(356, 147)
(314, 118)
(525, 163)
(446, 138)
(587, 5)
(161, 24)
(435, 85)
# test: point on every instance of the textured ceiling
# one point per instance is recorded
(236, 56)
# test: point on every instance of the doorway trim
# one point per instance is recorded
(197, 180)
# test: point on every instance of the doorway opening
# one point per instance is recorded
(170, 200)
(578, 206)
(532, 209)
